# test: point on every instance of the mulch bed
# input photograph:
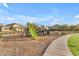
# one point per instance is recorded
(25, 47)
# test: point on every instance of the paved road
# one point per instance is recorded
(58, 47)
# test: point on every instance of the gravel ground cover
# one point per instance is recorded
(25, 46)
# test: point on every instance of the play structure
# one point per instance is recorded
(32, 31)
(36, 31)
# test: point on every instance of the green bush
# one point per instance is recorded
(63, 33)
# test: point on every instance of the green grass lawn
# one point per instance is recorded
(73, 44)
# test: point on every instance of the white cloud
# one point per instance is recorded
(51, 20)
(7, 18)
(5, 5)
(53, 23)
(37, 19)
(10, 18)
(48, 19)
(76, 17)
(29, 18)
(17, 22)
(55, 20)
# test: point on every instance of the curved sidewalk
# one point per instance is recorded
(58, 47)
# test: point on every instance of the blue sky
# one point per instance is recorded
(46, 13)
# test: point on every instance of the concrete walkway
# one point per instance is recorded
(58, 47)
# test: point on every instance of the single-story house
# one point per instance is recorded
(11, 27)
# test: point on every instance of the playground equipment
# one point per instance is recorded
(36, 31)
(33, 31)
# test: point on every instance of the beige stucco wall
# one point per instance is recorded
(17, 27)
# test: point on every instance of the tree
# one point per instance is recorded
(64, 27)
(72, 27)
(77, 27)
(56, 27)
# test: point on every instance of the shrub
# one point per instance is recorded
(63, 33)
